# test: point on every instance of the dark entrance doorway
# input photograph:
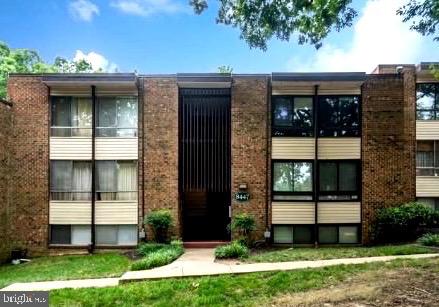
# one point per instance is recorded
(204, 183)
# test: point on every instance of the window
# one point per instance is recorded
(432, 203)
(334, 234)
(70, 234)
(117, 117)
(292, 116)
(70, 180)
(116, 180)
(116, 234)
(427, 158)
(71, 116)
(339, 180)
(339, 116)
(292, 180)
(293, 234)
(427, 101)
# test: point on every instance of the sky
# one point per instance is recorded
(165, 36)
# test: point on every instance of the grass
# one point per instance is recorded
(429, 239)
(65, 267)
(155, 255)
(295, 254)
(254, 289)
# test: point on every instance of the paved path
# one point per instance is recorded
(199, 262)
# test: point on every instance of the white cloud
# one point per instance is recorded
(97, 61)
(83, 9)
(148, 7)
(379, 37)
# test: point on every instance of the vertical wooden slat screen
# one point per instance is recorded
(205, 140)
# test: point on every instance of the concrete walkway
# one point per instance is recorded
(199, 262)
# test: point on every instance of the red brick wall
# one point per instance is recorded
(249, 146)
(29, 182)
(388, 144)
(160, 157)
(5, 173)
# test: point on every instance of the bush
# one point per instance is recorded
(158, 255)
(232, 250)
(404, 223)
(145, 249)
(429, 239)
(244, 224)
(160, 221)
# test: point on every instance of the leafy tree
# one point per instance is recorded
(29, 61)
(261, 20)
(424, 16)
(225, 69)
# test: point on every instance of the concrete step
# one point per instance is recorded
(204, 244)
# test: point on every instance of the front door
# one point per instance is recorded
(204, 152)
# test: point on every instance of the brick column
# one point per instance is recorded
(249, 146)
(388, 144)
(30, 151)
(160, 150)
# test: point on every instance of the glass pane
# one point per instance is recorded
(107, 120)
(81, 234)
(126, 116)
(106, 234)
(348, 234)
(425, 96)
(302, 235)
(348, 176)
(283, 114)
(126, 180)
(328, 176)
(349, 116)
(303, 114)
(81, 180)
(425, 154)
(106, 179)
(283, 174)
(283, 234)
(328, 234)
(425, 115)
(61, 116)
(292, 197)
(61, 176)
(127, 235)
(302, 177)
(60, 234)
(429, 202)
(328, 117)
(81, 116)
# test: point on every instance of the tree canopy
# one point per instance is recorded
(29, 61)
(308, 21)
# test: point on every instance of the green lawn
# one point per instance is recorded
(65, 267)
(254, 289)
(302, 253)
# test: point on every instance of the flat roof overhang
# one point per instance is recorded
(208, 80)
(318, 76)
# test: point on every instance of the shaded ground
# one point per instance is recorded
(404, 287)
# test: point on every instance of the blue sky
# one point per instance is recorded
(164, 36)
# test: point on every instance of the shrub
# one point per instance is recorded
(160, 221)
(244, 224)
(404, 223)
(232, 250)
(429, 239)
(145, 249)
(162, 255)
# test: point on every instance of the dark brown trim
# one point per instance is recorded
(268, 169)
(316, 164)
(49, 131)
(93, 169)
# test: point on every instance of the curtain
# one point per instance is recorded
(126, 180)
(61, 180)
(81, 116)
(424, 159)
(126, 116)
(106, 184)
(81, 180)
(61, 116)
(106, 117)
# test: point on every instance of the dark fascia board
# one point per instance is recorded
(426, 65)
(203, 77)
(319, 76)
(90, 78)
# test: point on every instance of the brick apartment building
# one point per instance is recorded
(85, 157)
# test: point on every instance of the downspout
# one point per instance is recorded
(267, 155)
(93, 170)
(142, 112)
(315, 168)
